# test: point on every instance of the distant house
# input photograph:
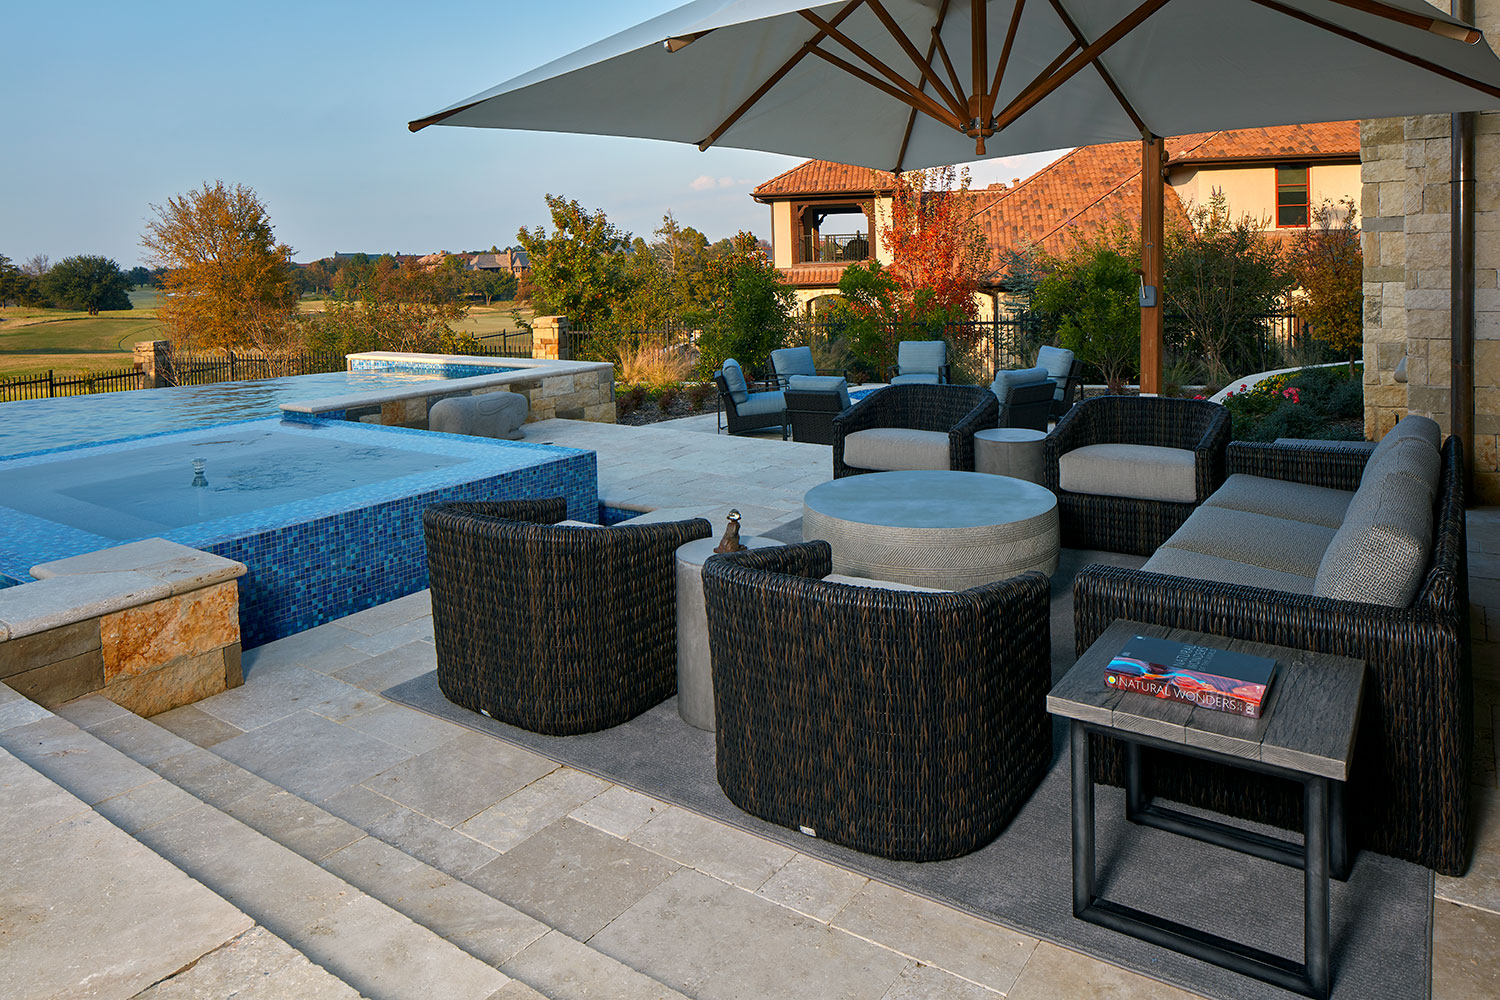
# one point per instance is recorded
(825, 216)
(514, 262)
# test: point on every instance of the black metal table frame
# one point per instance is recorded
(1323, 855)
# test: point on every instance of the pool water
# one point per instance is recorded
(31, 425)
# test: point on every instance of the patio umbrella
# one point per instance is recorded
(902, 84)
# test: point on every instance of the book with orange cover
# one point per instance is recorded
(1211, 678)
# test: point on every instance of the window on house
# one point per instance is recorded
(1291, 196)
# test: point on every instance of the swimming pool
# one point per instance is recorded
(326, 514)
(32, 425)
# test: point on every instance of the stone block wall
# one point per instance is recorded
(1407, 282)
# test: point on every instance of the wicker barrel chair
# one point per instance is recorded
(912, 725)
(907, 414)
(1150, 463)
(552, 628)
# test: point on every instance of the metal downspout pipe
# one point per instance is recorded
(1461, 219)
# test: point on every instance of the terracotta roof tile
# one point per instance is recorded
(825, 177)
(1322, 139)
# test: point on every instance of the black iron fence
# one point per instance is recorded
(204, 369)
(52, 385)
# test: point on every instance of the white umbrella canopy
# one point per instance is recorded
(903, 84)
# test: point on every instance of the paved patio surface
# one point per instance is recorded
(334, 819)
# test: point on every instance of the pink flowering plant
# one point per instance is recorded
(1324, 403)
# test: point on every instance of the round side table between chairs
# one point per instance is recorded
(1010, 451)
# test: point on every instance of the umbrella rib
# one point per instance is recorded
(880, 67)
(775, 78)
(911, 119)
(1109, 81)
(1465, 33)
(1010, 39)
(1035, 93)
(1381, 47)
(921, 102)
(924, 66)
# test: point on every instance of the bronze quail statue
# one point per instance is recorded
(731, 539)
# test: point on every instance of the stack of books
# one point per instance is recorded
(1210, 678)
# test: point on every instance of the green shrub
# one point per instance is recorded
(1322, 403)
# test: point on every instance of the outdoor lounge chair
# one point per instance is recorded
(744, 410)
(1129, 470)
(1064, 368)
(551, 628)
(810, 412)
(919, 362)
(905, 427)
(908, 724)
(1409, 792)
(1025, 397)
(789, 361)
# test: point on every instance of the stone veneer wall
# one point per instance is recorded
(587, 394)
(1405, 221)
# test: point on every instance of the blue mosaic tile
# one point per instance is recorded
(615, 515)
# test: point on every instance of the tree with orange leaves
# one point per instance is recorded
(935, 244)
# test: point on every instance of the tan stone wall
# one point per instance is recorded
(1405, 219)
(585, 395)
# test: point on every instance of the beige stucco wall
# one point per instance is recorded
(1405, 173)
(781, 233)
(1252, 190)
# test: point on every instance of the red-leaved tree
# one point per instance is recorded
(938, 252)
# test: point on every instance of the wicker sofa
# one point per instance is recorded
(908, 724)
(906, 427)
(1129, 470)
(1409, 796)
(552, 628)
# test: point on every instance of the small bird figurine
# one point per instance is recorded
(731, 540)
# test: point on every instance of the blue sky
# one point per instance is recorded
(112, 107)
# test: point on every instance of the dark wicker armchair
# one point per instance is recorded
(1132, 524)
(552, 628)
(905, 724)
(958, 410)
(1409, 795)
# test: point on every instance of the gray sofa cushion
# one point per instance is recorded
(1408, 428)
(1273, 543)
(821, 383)
(1143, 471)
(1410, 456)
(1281, 498)
(893, 449)
(1199, 566)
(788, 361)
(1380, 554)
(1007, 380)
(758, 404)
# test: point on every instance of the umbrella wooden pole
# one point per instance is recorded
(1153, 223)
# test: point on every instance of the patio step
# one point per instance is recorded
(540, 961)
(102, 754)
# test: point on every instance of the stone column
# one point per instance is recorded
(548, 339)
(153, 359)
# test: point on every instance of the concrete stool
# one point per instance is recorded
(1010, 451)
(695, 676)
(492, 415)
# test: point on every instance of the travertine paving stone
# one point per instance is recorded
(619, 810)
(568, 970)
(1058, 974)
(75, 760)
(146, 806)
(1480, 885)
(923, 982)
(418, 630)
(715, 941)
(937, 935)
(310, 755)
(1465, 952)
(324, 649)
(31, 802)
(461, 778)
(257, 965)
(428, 840)
(813, 887)
(573, 877)
(400, 726)
(395, 666)
(712, 847)
(295, 823)
(196, 726)
(535, 807)
(283, 690)
(385, 617)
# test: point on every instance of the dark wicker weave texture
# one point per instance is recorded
(554, 629)
(1126, 524)
(1410, 788)
(960, 410)
(908, 725)
(810, 413)
(1306, 462)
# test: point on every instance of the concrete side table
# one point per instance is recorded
(1009, 451)
(695, 678)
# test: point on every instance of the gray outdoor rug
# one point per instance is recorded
(1022, 880)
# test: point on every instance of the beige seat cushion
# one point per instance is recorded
(864, 581)
(1273, 543)
(1380, 554)
(1280, 498)
(1198, 566)
(1143, 471)
(897, 449)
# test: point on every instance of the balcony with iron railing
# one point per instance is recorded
(835, 248)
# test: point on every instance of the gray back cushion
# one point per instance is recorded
(821, 383)
(921, 357)
(1410, 427)
(734, 378)
(1408, 456)
(1059, 362)
(1006, 380)
(1380, 553)
(793, 361)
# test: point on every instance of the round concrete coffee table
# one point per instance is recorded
(695, 677)
(1010, 451)
(950, 530)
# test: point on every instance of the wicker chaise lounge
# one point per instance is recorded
(1128, 470)
(1409, 796)
(911, 725)
(551, 628)
(909, 427)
